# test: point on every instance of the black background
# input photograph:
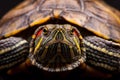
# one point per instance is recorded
(6, 5)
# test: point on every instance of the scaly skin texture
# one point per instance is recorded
(101, 54)
(100, 43)
(56, 48)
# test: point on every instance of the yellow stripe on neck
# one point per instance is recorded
(38, 45)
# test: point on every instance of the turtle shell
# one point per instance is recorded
(93, 15)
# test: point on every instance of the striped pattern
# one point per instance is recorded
(60, 50)
(12, 51)
(102, 54)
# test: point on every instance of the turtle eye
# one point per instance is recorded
(45, 31)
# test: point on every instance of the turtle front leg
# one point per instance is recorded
(13, 51)
(102, 55)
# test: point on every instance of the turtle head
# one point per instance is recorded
(56, 47)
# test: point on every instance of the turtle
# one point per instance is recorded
(58, 36)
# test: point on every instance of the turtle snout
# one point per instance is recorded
(60, 49)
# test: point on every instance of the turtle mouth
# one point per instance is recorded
(56, 48)
(57, 57)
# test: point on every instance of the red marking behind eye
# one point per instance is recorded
(39, 32)
(76, 33)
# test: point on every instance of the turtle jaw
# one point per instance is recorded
(57, 57)
(59, 51)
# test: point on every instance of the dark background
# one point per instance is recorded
(6, 5)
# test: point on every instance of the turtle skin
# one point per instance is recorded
(96, 30)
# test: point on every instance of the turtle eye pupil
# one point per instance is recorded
(45, 30)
